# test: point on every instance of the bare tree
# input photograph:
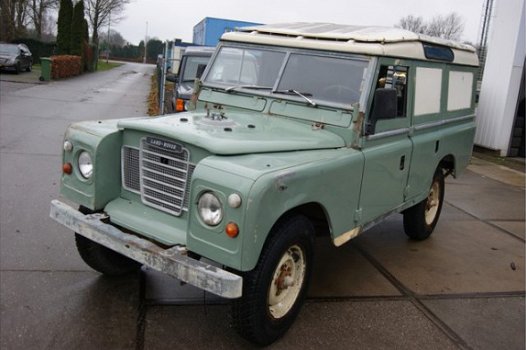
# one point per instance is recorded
(101, 12)
(115, 39)
(412, 23)
(49, 26)
(446, 27)
(450, 26)
(38, 11)
(13, 14)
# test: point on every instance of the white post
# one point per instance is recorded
(145, 42)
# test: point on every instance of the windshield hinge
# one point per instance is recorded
(318, 126)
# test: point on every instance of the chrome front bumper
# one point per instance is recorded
(172, 261)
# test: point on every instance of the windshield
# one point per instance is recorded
(236, 66)
(9, 49)
(320, 77)
(194, 65)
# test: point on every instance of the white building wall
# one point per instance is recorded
(502, 76)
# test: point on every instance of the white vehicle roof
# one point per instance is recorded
(205, 50)
(377, 41)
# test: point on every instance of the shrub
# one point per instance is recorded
(38, 48)
(64, 66)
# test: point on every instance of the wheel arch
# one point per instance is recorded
(448, 164)
(314, 211)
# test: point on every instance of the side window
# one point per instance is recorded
(459, 90)
(395, 77)
(427, 91)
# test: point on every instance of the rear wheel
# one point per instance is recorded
(275, 290)
(421, 219)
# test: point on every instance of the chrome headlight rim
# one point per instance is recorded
(210, 208)
(85, 164)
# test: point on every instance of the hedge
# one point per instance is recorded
(64, 66)
(38, 48)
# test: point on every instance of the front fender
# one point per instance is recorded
(103, 141)
(332, 179)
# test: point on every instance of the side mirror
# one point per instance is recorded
(384, 107)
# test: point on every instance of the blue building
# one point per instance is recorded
(209, 30)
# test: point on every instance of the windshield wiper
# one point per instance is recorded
(253, 87)
(303, 95)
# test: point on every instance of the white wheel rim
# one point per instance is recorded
(287, 281)
(433, 201)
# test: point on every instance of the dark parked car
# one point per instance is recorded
(193, 63)
(15, 57)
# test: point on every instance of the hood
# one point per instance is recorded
(6, 56)
(237, 132)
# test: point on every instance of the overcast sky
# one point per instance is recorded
(170, 19)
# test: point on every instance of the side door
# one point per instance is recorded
(386, 146)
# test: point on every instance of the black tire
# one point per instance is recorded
(104, 260)
(420, 220)
(29, 67)
(18, 68)
(275, 290)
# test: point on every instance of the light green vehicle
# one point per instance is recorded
(299, 130)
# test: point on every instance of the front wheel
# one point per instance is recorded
(104, 260)
(420, 220)
(275, 290)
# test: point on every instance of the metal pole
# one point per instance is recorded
(163, 77)
(145, 42)
(108, 48)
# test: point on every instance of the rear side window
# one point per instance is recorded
(460, 89)
(439, 53)
(428, 89)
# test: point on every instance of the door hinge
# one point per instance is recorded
(358, 215)
(406, 191)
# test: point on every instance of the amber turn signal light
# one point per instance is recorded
(232, 230)
(179, 105)
(67, 168)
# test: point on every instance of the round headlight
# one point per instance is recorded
(85, 164)
(210, 209)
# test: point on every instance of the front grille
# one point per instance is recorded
(131, 179)
(160, 174)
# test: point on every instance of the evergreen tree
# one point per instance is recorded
(77, 29)
(65, 15)
(86, 30)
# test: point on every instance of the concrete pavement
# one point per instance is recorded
(461, 289)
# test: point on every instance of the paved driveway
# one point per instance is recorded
(22, 77)
(461, 289)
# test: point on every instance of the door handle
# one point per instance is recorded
(402, 162)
